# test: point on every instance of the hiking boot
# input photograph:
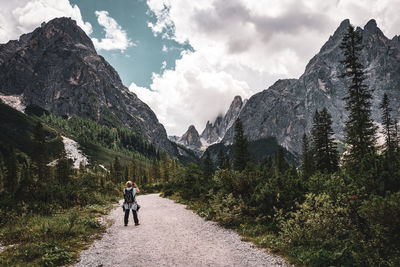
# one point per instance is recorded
(136, 224)
(125, 225)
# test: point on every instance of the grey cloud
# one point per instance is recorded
(230, 17)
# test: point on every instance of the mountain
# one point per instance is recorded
(57, 68)
(286, 109)
(214, 133)
(190, 139)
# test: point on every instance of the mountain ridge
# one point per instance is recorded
(57, 68)
(285, 110)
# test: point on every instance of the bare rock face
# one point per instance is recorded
(57, 68)
(214, 133)
(285, 110)
(190, 139)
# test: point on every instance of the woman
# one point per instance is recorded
(130, 202)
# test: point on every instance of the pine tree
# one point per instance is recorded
(396, 136)
(389, 127)
(240, 152)
(307, 164)
(11, 177)
(39, 153)
(208, 166)
(280, 162)
(63, 166)
(220, 159)
(324, 147)
(155, 170)
(359, 130)
(118, 171)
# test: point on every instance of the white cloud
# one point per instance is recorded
(115, 38)
(22, 16)
(242, 47)
(199, 93)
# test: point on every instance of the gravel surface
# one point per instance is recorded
(171, 235)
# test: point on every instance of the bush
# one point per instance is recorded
(228, 209)
(317, 233)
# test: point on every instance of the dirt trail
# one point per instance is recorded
(170, 235)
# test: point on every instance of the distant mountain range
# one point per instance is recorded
(213, 133)
(56, 67)
(286, 109)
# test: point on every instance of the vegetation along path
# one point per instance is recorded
(170, 235)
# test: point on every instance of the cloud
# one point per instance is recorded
(115, 37)
(242, 47)
(22, 16)
(199, 93)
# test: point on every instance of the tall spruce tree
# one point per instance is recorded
(307, 164)
(208, 166)
(11, 177)
(63, 166)
(240, 151)
(118, 170)
(324, 147)
(39, 153)
(360, 132)
(220, 160)
(388, 124)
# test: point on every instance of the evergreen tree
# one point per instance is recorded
(388, 124)
(63, 166)
(280, 162)
(39, 153)
(307, 164)
(240, 152)
(325, 153)
(118, 171)
(208, 166)
(11, 177)
(359, 130)
(396, 136)
(220, 160)
(132, 170)
(155, 170)
(165, 171)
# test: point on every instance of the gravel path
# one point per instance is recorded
(171, 235)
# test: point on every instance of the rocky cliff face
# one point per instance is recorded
(285, 110)
(214, 133)
(57, 68)
(190, 139)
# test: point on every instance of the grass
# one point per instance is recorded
(53, 240)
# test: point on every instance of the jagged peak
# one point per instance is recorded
(371, 24)
(372, 27)
(342, 27)
(191, 128)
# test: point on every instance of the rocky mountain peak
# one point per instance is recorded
(191, 138)
(215, 132)
(285, 110)
(57, 68)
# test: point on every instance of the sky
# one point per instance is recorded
(188, 59)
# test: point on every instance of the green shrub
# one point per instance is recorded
(56, 255)
(228, 209)
(317, 233)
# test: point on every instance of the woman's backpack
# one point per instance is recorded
(129, 197)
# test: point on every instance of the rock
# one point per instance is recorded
(285, 110)
(214, 133)
(191, 138)
(57, 68)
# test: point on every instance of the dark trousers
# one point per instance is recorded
(135, 218)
